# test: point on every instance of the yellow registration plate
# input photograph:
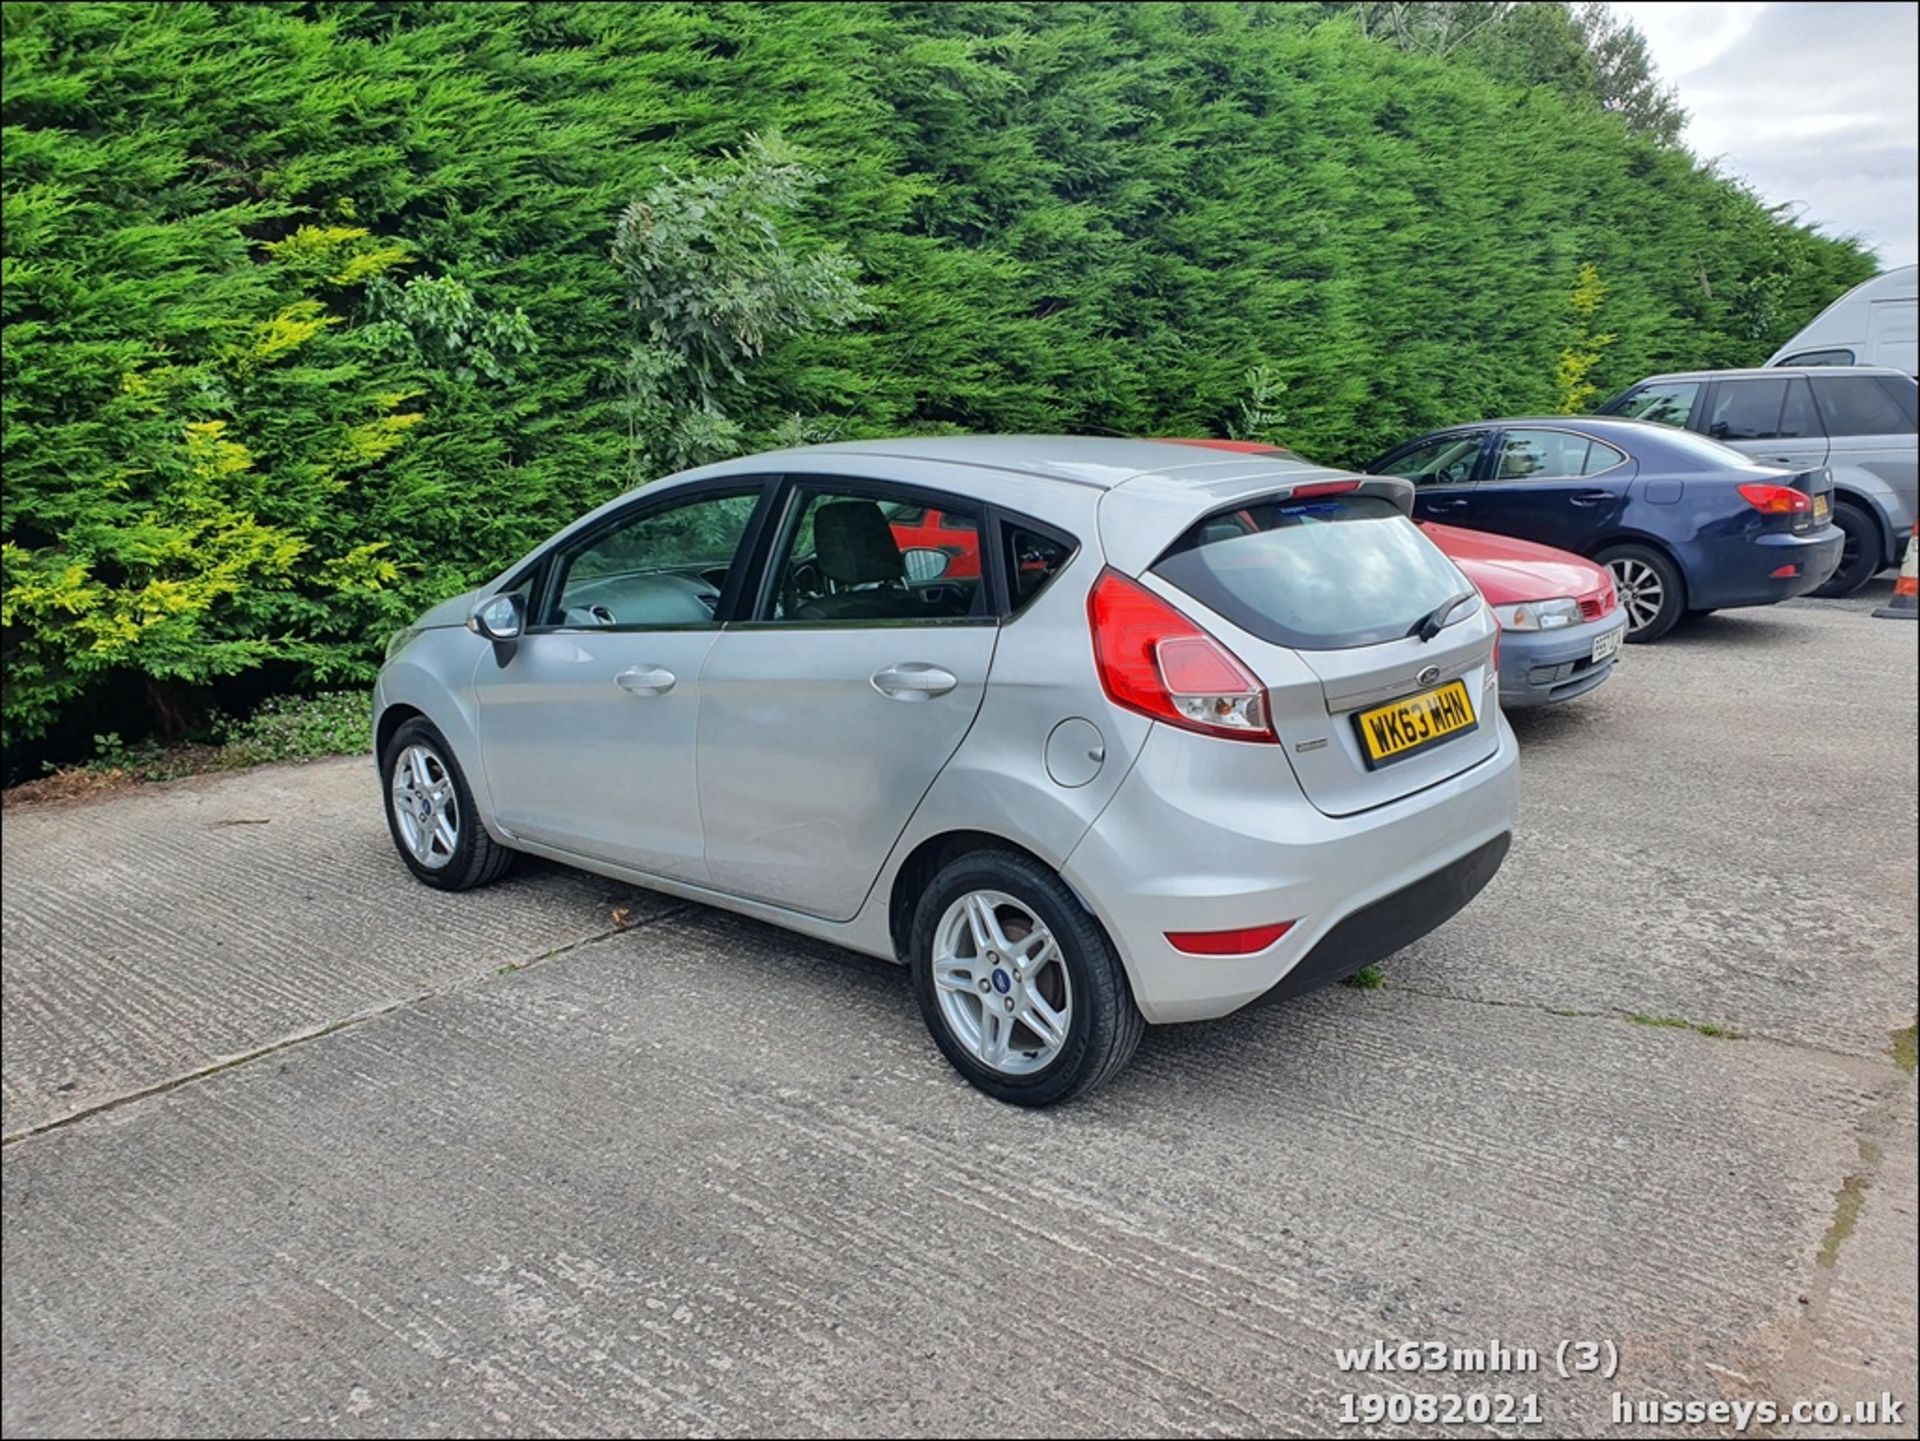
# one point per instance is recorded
(1822, 505)
(1403, 728)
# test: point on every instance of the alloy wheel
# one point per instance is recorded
(1641, 590)
(1002, 983)
(425, 807)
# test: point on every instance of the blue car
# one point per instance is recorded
(1685, 524)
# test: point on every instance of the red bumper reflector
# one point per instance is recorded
(1228, 943)
(1786, 572)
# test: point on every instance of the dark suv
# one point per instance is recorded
(1858, 421)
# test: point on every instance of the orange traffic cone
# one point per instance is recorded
(1905, 604)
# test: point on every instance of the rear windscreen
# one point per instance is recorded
(1318, 574)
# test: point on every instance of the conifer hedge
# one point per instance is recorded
(310, 315)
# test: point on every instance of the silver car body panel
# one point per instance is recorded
(1153, 826)
(573, 759)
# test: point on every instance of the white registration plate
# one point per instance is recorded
(1606, 645)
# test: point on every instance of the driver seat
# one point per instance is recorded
(855, 548)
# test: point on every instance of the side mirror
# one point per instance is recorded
(499, 618)
(924, 563)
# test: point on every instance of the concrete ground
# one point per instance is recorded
(298, 1146)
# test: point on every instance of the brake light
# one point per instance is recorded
(1775, 499)
(1324, 487)
(1153, 660)
(1243, 942)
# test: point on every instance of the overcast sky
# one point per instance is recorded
(1814, 102)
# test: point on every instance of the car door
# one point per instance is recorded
(1443, 470)
(1770, 418)
(826, 716)
(1871, 421)
(1558, 487)
(588, 723)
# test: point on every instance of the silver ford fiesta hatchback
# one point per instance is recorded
(1088, 733)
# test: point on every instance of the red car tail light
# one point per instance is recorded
(1153, 660)
(1243, 942)
(1775, 499)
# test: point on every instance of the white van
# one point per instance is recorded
(1872, 324)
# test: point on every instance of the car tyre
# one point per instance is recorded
(1651, 590)
(428, 800)
(1860, 559)
(1059, 1002)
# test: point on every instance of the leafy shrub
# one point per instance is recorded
(290, 728)
(314, 314)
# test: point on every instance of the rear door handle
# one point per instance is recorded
(645, 680)
(1591, 497)
(913, 681)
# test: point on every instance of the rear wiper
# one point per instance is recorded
(1429, 625)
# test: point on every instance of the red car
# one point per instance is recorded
(1560, 621)
(955, 536)
(1561, 624)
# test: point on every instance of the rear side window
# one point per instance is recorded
(1820, 357)
(1033, 559)
(1861, 405)
(1747, 409)
(1319, 574)
(1669, 402)
(1552, 455)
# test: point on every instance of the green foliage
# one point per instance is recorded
(316, 313)
(711, 284)
(295, 728)
(436, 323)
(282, 728)
(1259, 417)
(1583, 353)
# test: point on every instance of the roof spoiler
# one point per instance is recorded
(1382, 487)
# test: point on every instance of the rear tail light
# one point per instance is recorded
(1242, 942)
(1775, 499)
(1153, 660)
(1323, 487)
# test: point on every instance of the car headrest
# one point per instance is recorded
(855, 544)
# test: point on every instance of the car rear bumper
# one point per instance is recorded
(1543, 667)
(1743, 572)
(1171, 855)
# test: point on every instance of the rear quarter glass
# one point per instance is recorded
(1322, 574)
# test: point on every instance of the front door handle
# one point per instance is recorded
(912, 681)
(1591, 497)
(645, 680)
(1446, 505)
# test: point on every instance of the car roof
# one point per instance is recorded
(1102, 462)
(1762, 372)
(1597, 424)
